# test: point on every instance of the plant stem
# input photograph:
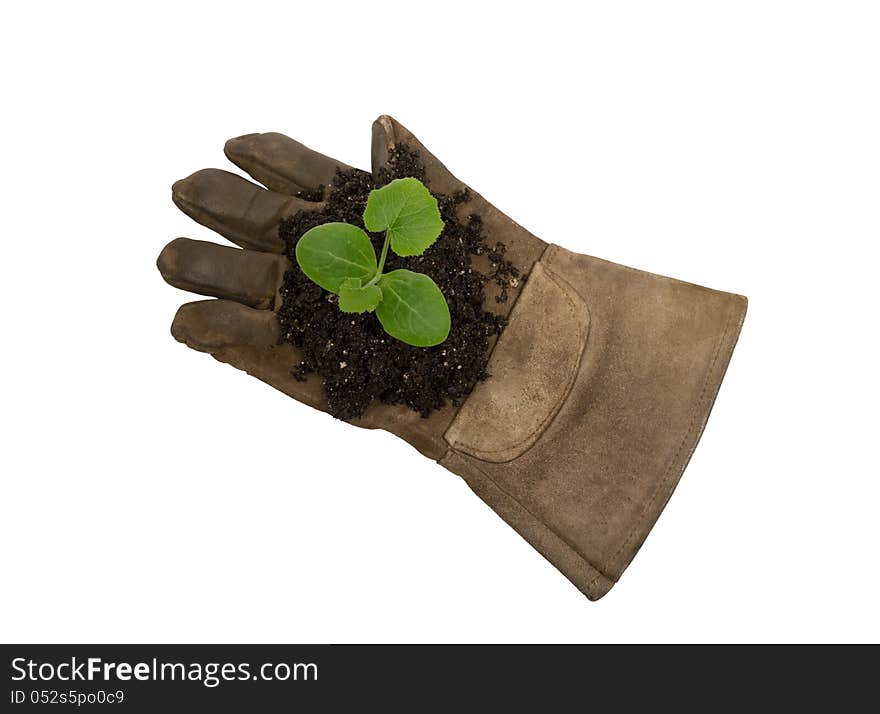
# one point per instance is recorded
(381, 262)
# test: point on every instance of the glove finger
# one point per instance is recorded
(282, 164)
(237, 209)
(246, 276)
(387, 133)
(211, 325)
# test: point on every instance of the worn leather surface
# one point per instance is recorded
(533, 370)
(603, 380)
(592, 481)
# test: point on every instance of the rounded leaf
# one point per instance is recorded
(330, 253)
(355, 298)
(408, 212)
(413, 309)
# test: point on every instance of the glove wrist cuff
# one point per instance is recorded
(601, 387)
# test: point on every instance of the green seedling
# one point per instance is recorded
(340, 258)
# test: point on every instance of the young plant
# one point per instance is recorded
(340, 258)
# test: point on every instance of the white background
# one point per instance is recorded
(150, 493)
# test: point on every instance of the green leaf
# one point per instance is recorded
(332, 252)
(408, 212)
(354, 298)
(413, 309)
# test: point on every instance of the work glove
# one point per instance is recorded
(601, 383)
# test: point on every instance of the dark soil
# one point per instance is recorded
(357, 360)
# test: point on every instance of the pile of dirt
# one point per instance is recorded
(356, 358)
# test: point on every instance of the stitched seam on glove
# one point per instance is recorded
(571, 376)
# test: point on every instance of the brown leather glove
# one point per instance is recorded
(601, 383)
